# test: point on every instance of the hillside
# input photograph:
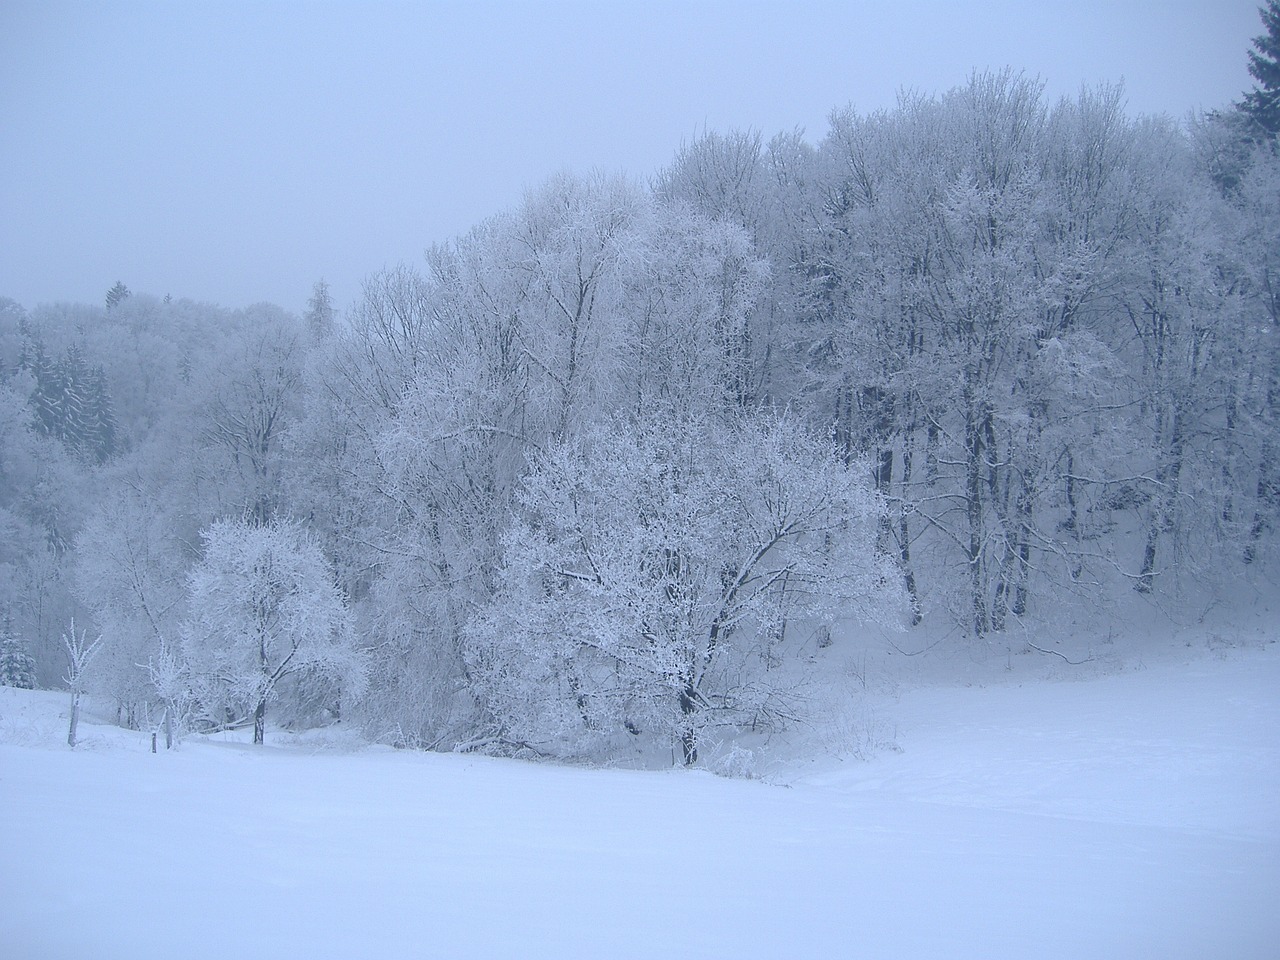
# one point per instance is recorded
(1131, 814)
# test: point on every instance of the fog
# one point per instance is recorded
(236, 153)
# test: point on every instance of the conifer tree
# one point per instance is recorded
(17, 668)
(116, 294)
(100, 423)
(1263, 103)
(47, 397)
(320, 312)
(73, 374)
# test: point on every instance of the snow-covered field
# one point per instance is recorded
(1129, 815)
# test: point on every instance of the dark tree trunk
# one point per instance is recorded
(1162, 518)
(1072, 524)
(974, 430)
(1267, 494)
(904, 540)
(689, 735)
(1022, 571)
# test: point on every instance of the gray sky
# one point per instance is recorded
(236, 152)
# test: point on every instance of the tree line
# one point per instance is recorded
(612, 463)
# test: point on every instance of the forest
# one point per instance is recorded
(620, 464)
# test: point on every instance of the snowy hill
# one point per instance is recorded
(1130, 815)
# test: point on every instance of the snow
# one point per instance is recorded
(1123, 816)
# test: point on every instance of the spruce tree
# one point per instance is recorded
(73, 373)
(1263, 103)
(47, 398)
(100, 432)
(17, 668)
(116, 294)
(320, 312)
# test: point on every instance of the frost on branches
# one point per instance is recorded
(265, 609)
(652, 572)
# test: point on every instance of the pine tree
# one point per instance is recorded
(320, 312)
(1263, 103)
(17, 668)
(47, 398)
(73, 373)
(116, 294)
(100, 424)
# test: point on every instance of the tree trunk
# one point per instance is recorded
(260, 722)
(1022, 572)
(1072, 523)
(1267, 493)
(904, 539)
(974, 427)
(1162, 518)
(689, 733)
(75, 718)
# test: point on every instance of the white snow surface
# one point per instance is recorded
(1133, 815)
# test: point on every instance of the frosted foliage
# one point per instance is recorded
(264, 607)
(692, 293)
(129, 573)
(649, 569)
(626, 464)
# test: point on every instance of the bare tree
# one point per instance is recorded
(80, 653)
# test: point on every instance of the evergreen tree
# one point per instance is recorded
(71, 401)
(1263, 103)
(73, 374)
(100, 419)
(17, 668)
(320, 312)
(116, 294)
(47, 398)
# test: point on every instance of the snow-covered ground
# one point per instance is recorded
(1129, 815)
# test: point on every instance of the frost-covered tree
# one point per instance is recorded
(652, 570)
(81, 652)
(969, 325)
(691, 293)
(129, 567)
(319, 316)
(253, 396)
(264, 608)
(1260, 378)
(448, 382)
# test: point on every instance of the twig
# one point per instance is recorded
(1074, 663)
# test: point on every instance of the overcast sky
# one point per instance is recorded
(236, 152)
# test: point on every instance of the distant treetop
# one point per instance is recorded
(116, 294)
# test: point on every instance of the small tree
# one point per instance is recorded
(17, 668)
(264, 606)
(80, 653)
(169, 677)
